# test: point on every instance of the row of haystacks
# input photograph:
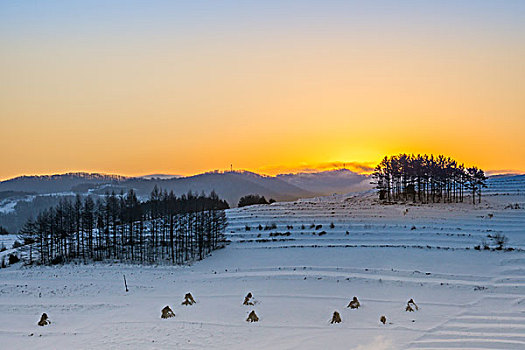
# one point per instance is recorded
(249, 300)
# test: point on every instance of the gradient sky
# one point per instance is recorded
(138, 87)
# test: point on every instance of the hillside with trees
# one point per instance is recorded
(17, 204)
(426, 178)
(164, 228)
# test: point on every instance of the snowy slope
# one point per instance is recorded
(7, 240)
(468, 299)
(329, 182)
(505, 184)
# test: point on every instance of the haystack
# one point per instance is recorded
(354, 303)
(336, 318)
(44, 320)
(248, 299)
(382, 319)
(252, 317)
(411, 301)
(167, 312)
(188, 299)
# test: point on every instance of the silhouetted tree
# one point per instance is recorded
(251, 199)
(122, 227)
(426, 179)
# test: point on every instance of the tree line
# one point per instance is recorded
(252, 199)
(164, 228)
(426, 178)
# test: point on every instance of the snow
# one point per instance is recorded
(7, 206)
(7, 241)
(468, 299)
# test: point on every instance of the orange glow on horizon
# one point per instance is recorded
(270, 92)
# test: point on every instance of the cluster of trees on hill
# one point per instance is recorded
(425, 179)
(122, 228)
(252, 199)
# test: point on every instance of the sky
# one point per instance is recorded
(182, 87)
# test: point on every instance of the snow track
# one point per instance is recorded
(494, 322)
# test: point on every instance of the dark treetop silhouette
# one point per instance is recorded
(120, 227)
(425, 179)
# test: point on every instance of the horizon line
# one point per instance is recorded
(495, 172)
(91, 172)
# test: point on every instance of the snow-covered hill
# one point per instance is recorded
(506, 184)
(384, 255)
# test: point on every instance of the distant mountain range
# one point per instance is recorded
(25, 196)
(228, 185)
(57, 183)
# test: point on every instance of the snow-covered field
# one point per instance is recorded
(384, 255)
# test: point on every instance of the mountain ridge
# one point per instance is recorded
(230, 185)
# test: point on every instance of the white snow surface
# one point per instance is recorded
(468, 299)
(7, 206)
(7, 241)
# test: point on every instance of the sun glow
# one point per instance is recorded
(188, 88)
